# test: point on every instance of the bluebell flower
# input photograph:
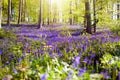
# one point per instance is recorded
(93, 38)
(19, 59)
(70, 75)
(70, 47)
(74, 65)
(81, 71)
(84, 47)
(105, 74)
(1, 52)
(119, 75)
(90, 61)
(103, 39)
(15, 71)
(44, 77)
(8, 63)
(81, 45)
(86, 59)
(92, 56)
(77, 60)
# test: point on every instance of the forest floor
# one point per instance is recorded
(58, 32)
(66, 42)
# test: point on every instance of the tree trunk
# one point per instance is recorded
(40, 16)
(20, 10)
(70, 19)
(118, 10)
(49, 9)
(94, 10)
(24, 9)
(0, 12)
(88, 17)
(9, 12)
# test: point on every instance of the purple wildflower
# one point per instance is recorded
(106, 76)
(92, 56)
(15, 71)
(84, 47)
(1, 52)
(86, 60)
(119, 75)
(90, 61)
(81, 71)
(76, 62)
(77, 59)
(70, 73)
(74, 65)
(44, 77)
(8, 63)
(103, 39)
(19, 59)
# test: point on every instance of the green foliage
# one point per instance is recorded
(116, 28)
(7, 34)
(2, 33)
(33, 67)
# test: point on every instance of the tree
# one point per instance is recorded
(0, 12)
(88, 17)
(9, 12)
(118, 10)
(23, 12)
(94, 14)
(40, 16)
(70, 13)
(49, 10)
(20, 11)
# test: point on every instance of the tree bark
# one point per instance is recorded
(20, 10)
(118, 10)
(40, 16)
(70, 19)
(88, 17)
(25, 9)
(0, 12)
(9, 12)
(49, 10)
(94, 10)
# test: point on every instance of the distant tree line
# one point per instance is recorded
(88, 12)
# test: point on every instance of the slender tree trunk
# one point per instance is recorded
(88, 17)
(40, 16)
(9, 12)
(70, 19)
(0, 12)
(118, 10)
(49, 10)
(20, 10)
(24, 9)
(94, 10)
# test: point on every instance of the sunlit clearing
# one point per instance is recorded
(56, 1)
